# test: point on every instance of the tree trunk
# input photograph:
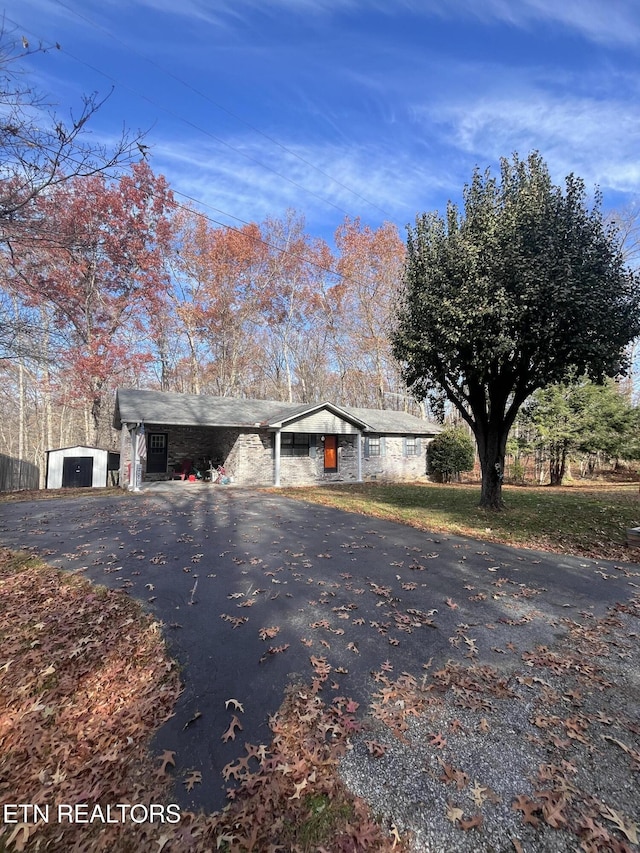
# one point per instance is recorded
(557, 463)
(491, 451)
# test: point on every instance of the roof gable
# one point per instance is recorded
(288, 416)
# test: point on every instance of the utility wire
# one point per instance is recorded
(200, 203)
(189, 123)
(218, 106)
(210, 219)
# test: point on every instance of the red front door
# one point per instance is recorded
(331, 453)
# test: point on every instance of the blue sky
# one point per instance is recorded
(372, 108)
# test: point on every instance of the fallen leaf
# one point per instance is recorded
(268, 633)
(438, 741)
(478, 793)
(192, 779)
(471, 823)
(527, 807)
(167, 757)
(377, 750)
(230, 733)
(19, 837)
(454, 814)
(630, 829)
(190, 722)
(299, 786)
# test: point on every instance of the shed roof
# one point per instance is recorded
(81, 447)
(166, 408)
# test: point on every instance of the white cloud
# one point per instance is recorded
(396, 184)
(610, 22)
(597, 140)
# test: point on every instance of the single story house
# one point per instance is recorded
(265, 442)
(81, 466)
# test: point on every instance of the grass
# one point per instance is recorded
(589, 520)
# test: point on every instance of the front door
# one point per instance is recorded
(77, 472)
(331, 453)
(157, 449)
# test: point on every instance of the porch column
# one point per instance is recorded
(124, 429)
(135, 460)
(359, 454)
(276, 468)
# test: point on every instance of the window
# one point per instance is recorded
(157, 442)
(411, 446)
(294, 444)
(374, 446)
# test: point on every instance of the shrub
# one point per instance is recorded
(450, 452)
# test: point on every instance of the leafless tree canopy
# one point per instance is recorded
(38, 148)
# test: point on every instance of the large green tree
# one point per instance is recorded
(585, 418)
(524, 287)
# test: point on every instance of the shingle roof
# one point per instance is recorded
(164, 408)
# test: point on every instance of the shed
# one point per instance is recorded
(81, 466)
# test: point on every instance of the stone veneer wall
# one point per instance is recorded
(394, 465)
(247, 456)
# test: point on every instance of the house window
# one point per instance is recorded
(294, 444)
(411, 446)
(374, 445)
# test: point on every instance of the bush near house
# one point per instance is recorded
(450, 453)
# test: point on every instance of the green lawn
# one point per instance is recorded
(589, 520)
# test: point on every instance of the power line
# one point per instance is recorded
(244, 234)
(200, 203)
(226, 225)
(191, 124)
(219, 106)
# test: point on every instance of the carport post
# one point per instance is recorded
(135, 460)
(276, 471)
(359, 455)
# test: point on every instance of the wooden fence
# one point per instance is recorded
(17, 474)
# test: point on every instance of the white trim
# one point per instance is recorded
(276, 465)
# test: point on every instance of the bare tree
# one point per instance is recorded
(38, 149)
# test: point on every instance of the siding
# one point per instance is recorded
(56, 463)
(320, 423)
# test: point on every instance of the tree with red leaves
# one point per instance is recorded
(100, 266)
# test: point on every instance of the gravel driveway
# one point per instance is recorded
(250, 586)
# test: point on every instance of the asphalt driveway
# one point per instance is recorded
(249, 586)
